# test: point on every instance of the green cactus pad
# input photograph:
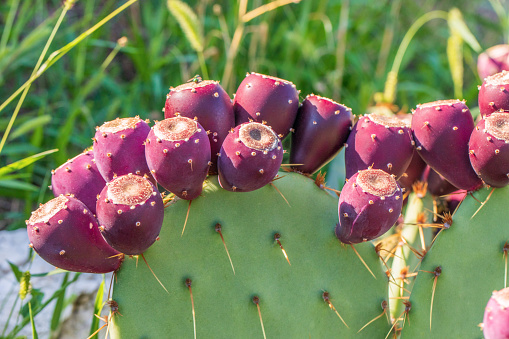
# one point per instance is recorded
(472, 261)
(290, 296)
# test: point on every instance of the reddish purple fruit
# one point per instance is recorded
(496, 316)
(320, 131)
(80, 178)
(489, 149)
(119, 148)
(369, 205)
(64, 232)
(494, 94)
(262, 98)
(250, 158)
(437, 184)
(381, 142)
(413, 173)
(209, 103)
(441, 130)
(495, 59)
(130, 211)
(178, 155)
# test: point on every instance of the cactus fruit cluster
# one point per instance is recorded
(239, 245)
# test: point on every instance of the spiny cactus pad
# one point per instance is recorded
(470, 255)
(290, 297)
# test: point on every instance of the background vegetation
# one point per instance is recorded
(342, 49)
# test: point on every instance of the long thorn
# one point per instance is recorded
(326, 298)
(482, 203)
(366, 265)
(188, 284)
(218, 229)
(256, 300)
(277, 237)
(277, 189)
(99, 330)
(384, 307)
(187, 216)
(155, 276)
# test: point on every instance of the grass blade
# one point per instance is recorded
(32, 322)
(57, 312)
(24, 162)
(98, 306)
(458, 26)
(189, 23)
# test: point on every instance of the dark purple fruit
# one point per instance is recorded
(493, 60)
(441, 130)
(437, 184)
(209, 103)
(262, 98)
(494, 93)
(130, 211)
(64, 232)
(369, 205)
(178, 155)
(496, 316)
(489, 149)
(250, 158)
(119, 148)
(320, 131)
(381, 142)
(80, 178)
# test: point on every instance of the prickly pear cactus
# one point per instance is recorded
(466, 263)
(280, 272)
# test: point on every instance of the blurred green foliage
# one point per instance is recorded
(341, 49)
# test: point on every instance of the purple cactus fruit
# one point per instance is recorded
(493, 60)
(437, 184)
(65, 233)
(379, 141)
(494, 93)
(209, 103)
(369, 205)
(119, 148)
(320, 131)
(178, 155)
(250, 157)
(413, 173)
(262, 98)
(79, 177)
(441, 130)
(130, 211)
(489, 149)
(496, 316)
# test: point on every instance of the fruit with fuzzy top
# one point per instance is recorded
(493, 60)
(381, 142)
(250, 157)
(119, 148)
(130, 211)
(178, 155)
(441, 130)
(209, 103)
(64, 232)
(79, 177)
(494, 93)
(320, 131)
(262, 98)
(369, 205)
(489, 149)
(496, 316)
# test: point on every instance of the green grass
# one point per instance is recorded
(340, 49)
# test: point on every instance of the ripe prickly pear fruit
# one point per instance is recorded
(250, 157)
(437, 184)
(262, 98)
(209, 103)
(494, 93)
(489, 149)
(369, 205)
(119, 148)
(495, 59)
(79, 177)
(178, 155)
(413, 173)
(130, 211)
(441, 130)
(379, 141)
(64, 232)
(496, 316)
(320, 131)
